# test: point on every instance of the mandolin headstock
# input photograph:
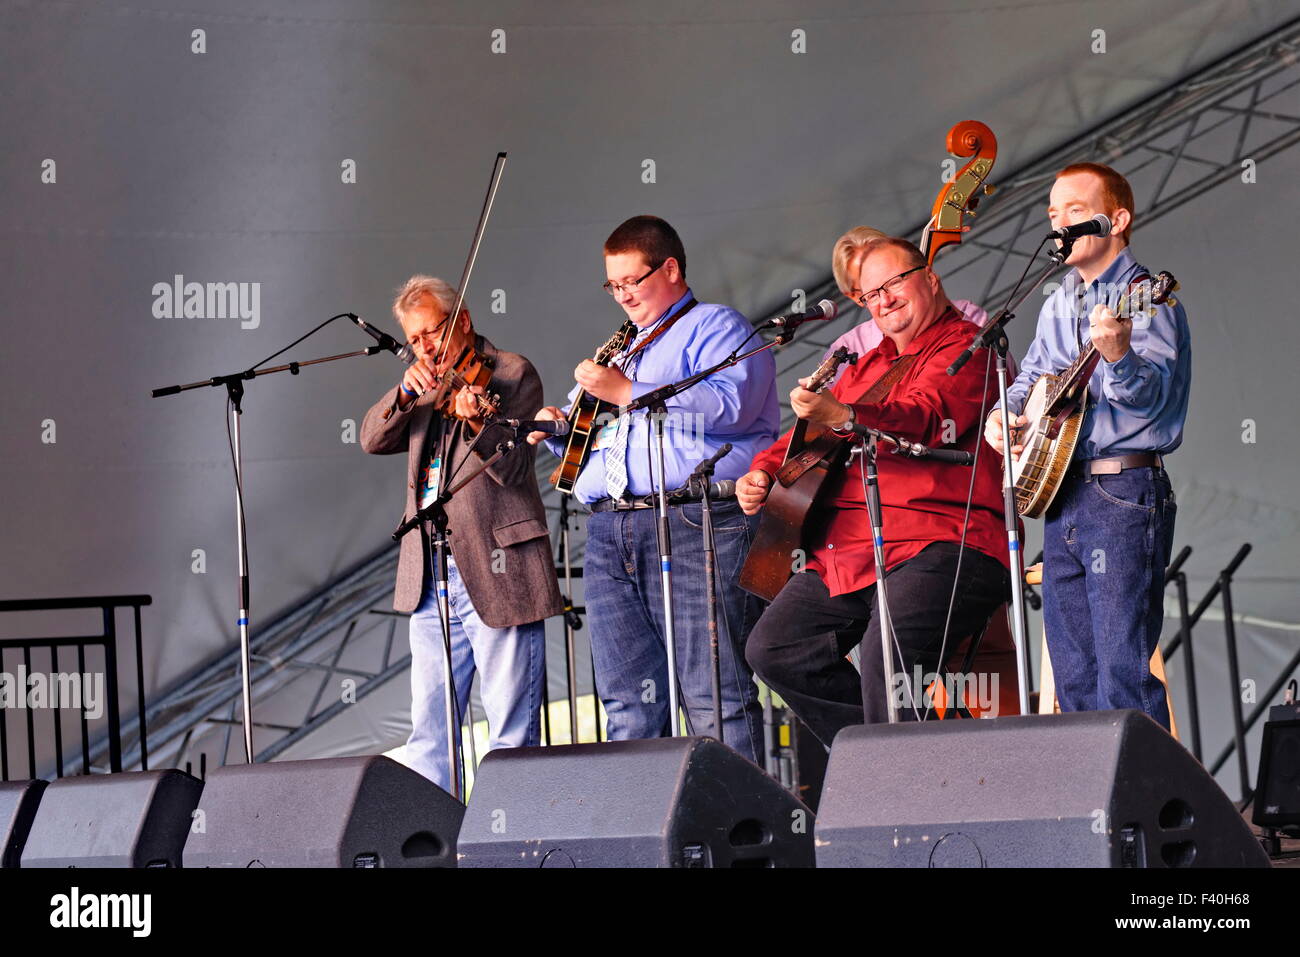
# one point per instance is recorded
(617, 342)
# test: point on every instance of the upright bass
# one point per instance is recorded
(814, 452)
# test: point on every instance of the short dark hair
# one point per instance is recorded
(650, 236)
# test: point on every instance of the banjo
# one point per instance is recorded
(1055, 408)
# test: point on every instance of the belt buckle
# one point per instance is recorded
(1106, 467)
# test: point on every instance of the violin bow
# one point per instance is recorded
(495, 181)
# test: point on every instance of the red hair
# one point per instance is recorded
(1115, 189)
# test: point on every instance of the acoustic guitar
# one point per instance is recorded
(798, 484)
(1056, 406)
(810, 459)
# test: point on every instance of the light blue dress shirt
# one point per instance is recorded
(1137, 403)
(737, 405)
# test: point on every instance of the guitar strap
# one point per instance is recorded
(880, 388)
(1126, 301)
(664, 326)
(815, 451)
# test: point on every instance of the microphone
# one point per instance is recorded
(549, 426)
(693, 492)
(1099, 225)
(707, 466)
(825, 309)
(724, 489)
(950, 456)
(915, 449)
(399, 349)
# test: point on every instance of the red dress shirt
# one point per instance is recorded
(923, 501)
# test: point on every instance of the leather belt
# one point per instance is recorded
(622, 504)
(1118, 463)
(675, 498)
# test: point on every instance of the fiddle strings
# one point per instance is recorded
(459, 382)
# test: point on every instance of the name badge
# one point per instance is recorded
(429, 484)
(605, 436)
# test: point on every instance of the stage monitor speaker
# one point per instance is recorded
(1277, 789)
(366, 811)
(1089, 789)
(18, 803)
(666, 802)
(127, 819)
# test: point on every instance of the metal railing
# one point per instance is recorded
(23, 692)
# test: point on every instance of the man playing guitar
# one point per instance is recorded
(1109, 530)
(799, 645)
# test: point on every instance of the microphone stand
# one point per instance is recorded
(572, 622)
(656, 402)
(868, 448)
(698, 484)
(234, 385)
(993, 334)
(436, 513)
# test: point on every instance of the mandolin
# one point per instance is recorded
(811, 459)
(588, 414)
(1056, 406)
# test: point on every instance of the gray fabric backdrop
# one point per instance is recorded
(227, 166)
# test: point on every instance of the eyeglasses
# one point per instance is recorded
(616, 288)
(869, 299)
(433, 334)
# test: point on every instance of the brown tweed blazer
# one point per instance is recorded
(497, 524)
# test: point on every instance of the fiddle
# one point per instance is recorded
(471, 368)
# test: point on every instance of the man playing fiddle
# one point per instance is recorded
(501, 575)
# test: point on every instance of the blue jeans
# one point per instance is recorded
(1106, 543)
(624, 597)
(511, 663)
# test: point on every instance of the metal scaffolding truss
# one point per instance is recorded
(1189, 139)
(1173, 147)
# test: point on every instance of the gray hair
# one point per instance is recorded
(417, 287)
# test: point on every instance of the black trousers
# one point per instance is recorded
(799, 645)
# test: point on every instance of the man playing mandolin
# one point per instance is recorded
(1109, 530)
(645, 269)
(799, 645)
(501, 577)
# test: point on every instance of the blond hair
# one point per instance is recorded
(848, 249)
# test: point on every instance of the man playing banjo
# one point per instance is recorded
(1109, 530)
